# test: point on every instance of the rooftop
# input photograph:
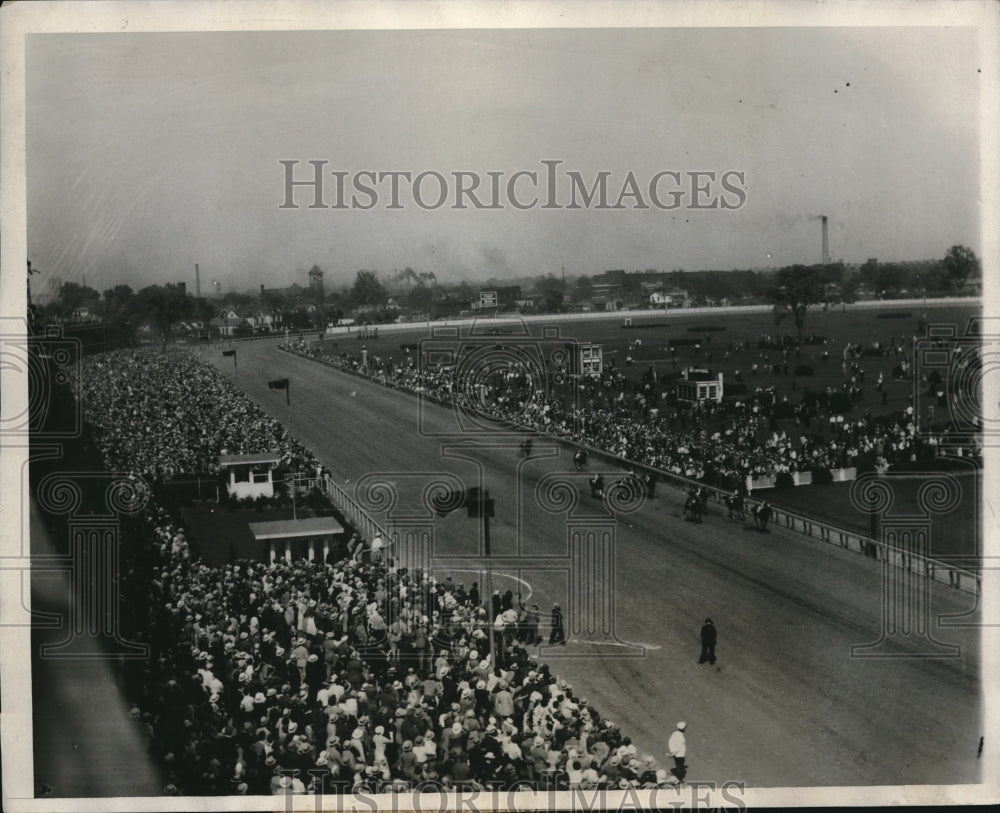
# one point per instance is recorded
(284, 528)
(249, 459)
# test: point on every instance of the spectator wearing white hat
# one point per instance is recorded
(503, 701)
(677, 748)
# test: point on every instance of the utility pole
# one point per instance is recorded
(285, 384)
(236, 374)
(480, 505)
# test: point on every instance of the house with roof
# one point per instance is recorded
(226, 323)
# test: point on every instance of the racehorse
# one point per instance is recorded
(761, 515)
(694, 508)
(628, 488)
(734, 502)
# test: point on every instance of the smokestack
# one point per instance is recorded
(826, 241)
(197, 280)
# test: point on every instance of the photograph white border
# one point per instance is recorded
(20, 19)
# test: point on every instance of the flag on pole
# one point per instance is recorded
(479, 503)
(447, 501)
(474, 499)
(229, 353)
(281, 384)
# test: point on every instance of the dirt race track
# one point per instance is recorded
(786, 704)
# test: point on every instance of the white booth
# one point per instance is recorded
(250, 475)
(289, 539)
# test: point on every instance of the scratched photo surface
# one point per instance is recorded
(533, 416)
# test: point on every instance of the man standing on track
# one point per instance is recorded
(677, 748)
(558, 634)
(707, 642)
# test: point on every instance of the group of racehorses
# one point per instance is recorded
(695, 506)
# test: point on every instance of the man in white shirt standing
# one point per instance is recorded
(677, 748)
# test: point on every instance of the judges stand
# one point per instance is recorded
(250, 475)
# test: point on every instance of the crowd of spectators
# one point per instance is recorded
(341, 676)
(642, 421)
(357, 676)
(162, 415)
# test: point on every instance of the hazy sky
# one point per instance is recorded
(148, 153)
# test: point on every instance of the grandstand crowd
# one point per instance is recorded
(165, 415)
(321, 677)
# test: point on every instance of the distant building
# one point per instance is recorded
(503, 298)
(586, 358)
(316, 282)
(227, 322)
(606, 291)
(261, 321)
(293, 292)
(449, 306)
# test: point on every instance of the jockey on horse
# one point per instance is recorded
(761, 515)
(734, 502)
(693, 506)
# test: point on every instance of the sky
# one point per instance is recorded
(151, 152)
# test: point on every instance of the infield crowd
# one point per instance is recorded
(718, 443)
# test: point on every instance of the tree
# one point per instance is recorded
(419, 298)
(959, 264)
(868, 273)
(162, 306)
(118, 303)
(796, 287)
(553, 291)
(73, 296)
(203, 309)
(273, 300)
(890, 277)
(465, 292)
(367, 290)
(849, 288)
